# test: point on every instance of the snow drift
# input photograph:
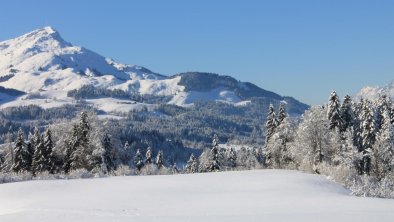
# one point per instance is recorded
(262, 195)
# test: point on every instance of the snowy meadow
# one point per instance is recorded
(258, 195)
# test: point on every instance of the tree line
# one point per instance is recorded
(352, 141)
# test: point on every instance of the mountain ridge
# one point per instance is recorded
(42, 62)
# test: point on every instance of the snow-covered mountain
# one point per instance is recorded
(40, 68)
(373, 92)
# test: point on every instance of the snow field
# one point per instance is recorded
(260, 195)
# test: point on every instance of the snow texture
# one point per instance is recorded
(261, 195)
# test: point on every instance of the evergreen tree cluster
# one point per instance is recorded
(275, 143)
(352, 138)
(38, 154)
(352, 141)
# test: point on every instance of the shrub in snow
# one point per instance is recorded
(124, 170)
(165, 171)
(14, 177)
(80, 173)
(149, 169)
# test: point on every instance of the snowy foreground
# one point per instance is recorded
(264, 195)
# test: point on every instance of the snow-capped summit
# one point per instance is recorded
(373, 92)
(42, 60)
(41, 63)
(14, 52)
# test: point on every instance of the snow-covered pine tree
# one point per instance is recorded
(351, 158)
(383, 149)
(192, 165)
(346, 113)
(367, 135)
(270, 124)
(281, 113)
(231, 157)
(8, 160)
(333, 112)
(138, 161)
(83, 148)
(80, 145)
(30, 152)
(159, 159)
(128, 155)
(108, 157)
(337, 147)
(214, 164)
(49, 154)
(148, 156)
(278, 146)
(270, 127)
(39, 161)
(357, 124)
(72, 144)
(392, 113)
(20, 162)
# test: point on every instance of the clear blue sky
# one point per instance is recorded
(299, 48)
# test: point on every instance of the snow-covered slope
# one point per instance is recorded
(43, 60)
(370, 92)
(265, 195)
(45, 67)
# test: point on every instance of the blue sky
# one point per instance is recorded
(299, 48)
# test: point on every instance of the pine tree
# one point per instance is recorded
(80, 145)
(270, 124)
(231, 157)
(159, 159)
(351, 157)
(30, 152)
(192, 165)
(333, 113)
(148, 156)
(367, 135)
(381, 106)
(346, 112)
(138, 161)
(214, 155)
(277, 149)
(357, 124)
(392, 113)
(72, 145)
(20, 162)
(108, 158)
(383, 149)
(127, 157)
(281, 114)
(83, 142)
(49, 154)
(39, 161)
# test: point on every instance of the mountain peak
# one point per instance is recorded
(46, 29)
(46, 33)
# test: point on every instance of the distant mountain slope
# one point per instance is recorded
(373, 92)
(45, 67)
